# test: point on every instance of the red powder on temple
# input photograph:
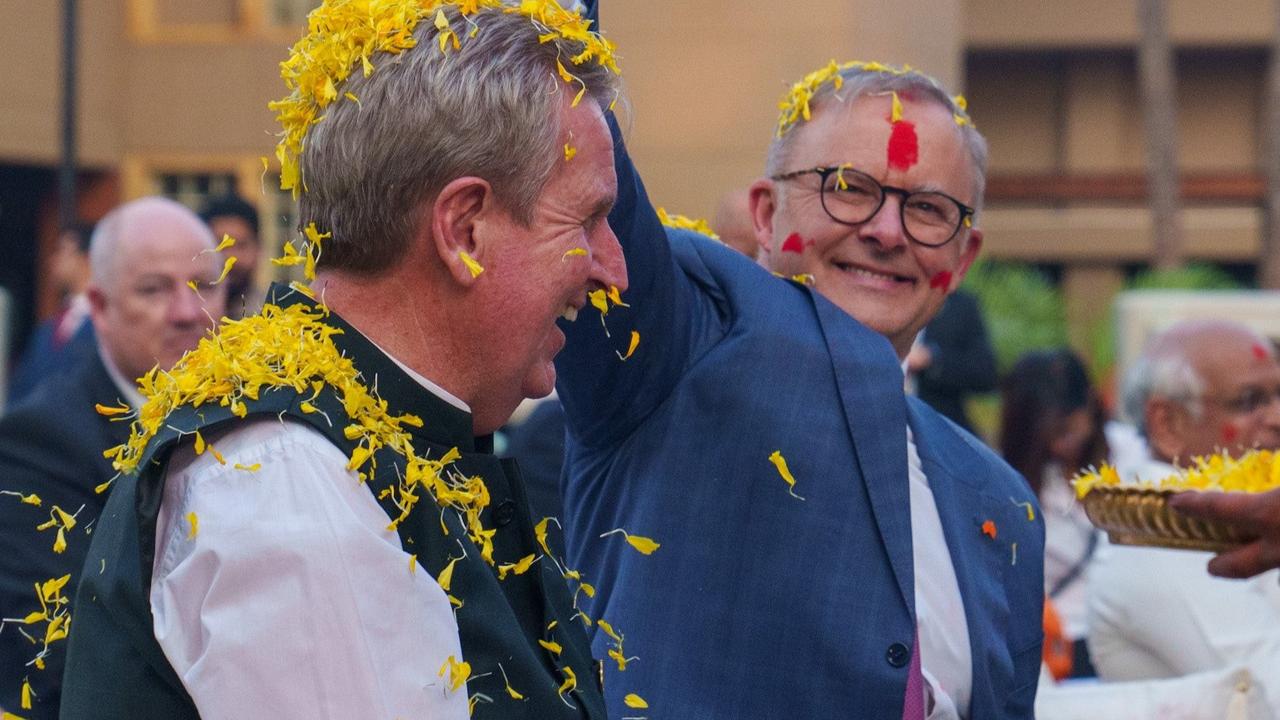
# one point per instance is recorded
(1260, 352)
(1229, 434)
(793, 244)
(941, 280)
(904, 146)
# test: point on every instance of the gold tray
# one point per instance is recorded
(1142, 516)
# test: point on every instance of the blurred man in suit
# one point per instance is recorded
(142, 256)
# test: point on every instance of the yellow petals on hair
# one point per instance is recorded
(634, 701)
(960, 102)
(313, 249)
(781, 464)
(645, 545)
(290, 257)
(193, 522)
(121, 409)
(552, 646)
(226, 268)
(446, 32)
(631, 347)
(576, 252)
(474, 267)
(458, 672)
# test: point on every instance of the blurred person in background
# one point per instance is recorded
(953, 359)
(1051, 427)
(732, 222)
(231, 215)
(1198, 387)
(58, 343)
(142, 256)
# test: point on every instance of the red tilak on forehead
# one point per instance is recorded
(941, 280)
(1260, 352)
(1229, 433)
(793, 244)
(904, 146)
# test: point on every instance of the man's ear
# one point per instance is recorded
(458, 219)
(969, 253)
(762, 204)
(1167, 422)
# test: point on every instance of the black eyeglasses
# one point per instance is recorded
(851, 197)
(1250, 401)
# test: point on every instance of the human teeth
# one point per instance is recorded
(570, 313)
(872, 275)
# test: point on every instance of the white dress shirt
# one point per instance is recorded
(945, 656)
(1157, 613)
(1067, 537)
(294, 600)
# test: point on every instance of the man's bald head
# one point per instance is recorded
(1205, 385)
(142, 256)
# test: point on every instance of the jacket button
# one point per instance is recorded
(504, 513)
(898, 655)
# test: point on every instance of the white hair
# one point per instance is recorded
(1166, 374)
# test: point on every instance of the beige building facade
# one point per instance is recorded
(173, 98)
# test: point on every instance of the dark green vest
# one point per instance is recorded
(115, 668)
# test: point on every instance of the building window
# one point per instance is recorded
(194, 189)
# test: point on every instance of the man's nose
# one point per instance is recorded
(885, 228)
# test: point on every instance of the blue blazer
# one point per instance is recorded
(759, 604)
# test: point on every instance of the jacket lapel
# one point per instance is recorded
(869, 384)
(980, 560)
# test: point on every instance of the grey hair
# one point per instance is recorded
(858, 81)
(103, 248)
(1166, 374)
(425, 118)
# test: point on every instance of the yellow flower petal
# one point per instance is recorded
(569, 152)
(113, 411)
(781, 464)
(631, 348)
(615, 296)
(226, 268)
(249, 468)
(633, 700)
(458, 672)
(552, 646)
(60, 543)
(474, 267)
(445, 578)
(194, 523)
(576, 252)
(570, 680)
(895, 114)
(227, 241)
(200, 445)
(26, 694)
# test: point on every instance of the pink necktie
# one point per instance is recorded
(913, 704)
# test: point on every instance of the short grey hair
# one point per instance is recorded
(425, 118)
(859, 80)
(104, 247)
(1166, 374)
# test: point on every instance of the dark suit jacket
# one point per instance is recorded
(963, 362)
(45, 357)
(759, 604)
(51, 444)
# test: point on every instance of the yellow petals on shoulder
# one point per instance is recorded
(643, 544)
(780, 463)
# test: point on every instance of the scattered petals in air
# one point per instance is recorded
(634, 701)
(226, 268)
(121, 409)
(631, 347)
(645, 545)
(472, 266)
(193, 522)
(227, 241)
(989, 529)
(780, 463)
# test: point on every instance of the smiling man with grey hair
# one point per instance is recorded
(352, 548)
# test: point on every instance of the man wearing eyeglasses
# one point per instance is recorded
(829, 548)
(1199, 387)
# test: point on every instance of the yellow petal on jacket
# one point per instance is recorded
(193, 521)
(445, 578)
(358, 457)
(26, 694)
(552, 646)
(570, 680)
(474, 267)
(540, 533)
(226, 268)
(633, 700)
(60, 543)
(781, 464)
(895, 115)
(102, 487)
(631, 348)
(112, 411)
(645, 545)
(519, 567)
(599, 300)
(66, 519)
(34, 617)
(227, 241)
(588, 589)
(200, 445)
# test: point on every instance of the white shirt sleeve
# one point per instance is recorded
(293, 599)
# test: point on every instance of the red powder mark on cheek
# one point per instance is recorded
(941, 280)
(1230, 433)
(904, 146)
(1260, 352)
(793, 244)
